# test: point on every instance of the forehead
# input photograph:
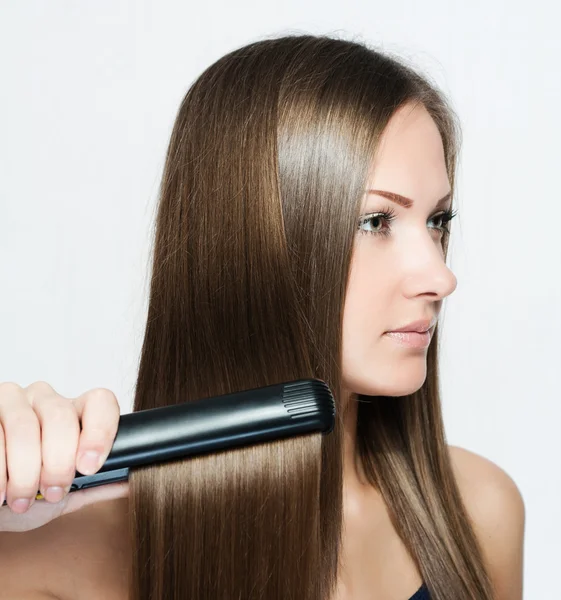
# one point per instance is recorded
(410, 153)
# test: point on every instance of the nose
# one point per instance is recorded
(429, 274)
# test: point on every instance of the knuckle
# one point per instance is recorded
(21, 491)
(101, 417)
(9, 388)
(99, 437)
(58, 472)
(60, 411)
(2, 460)
(59, 438)
(99, 395)
(26, 485)
(39, 388)
(23, 485)
(10, 393)
(59, 467)
(22, 423)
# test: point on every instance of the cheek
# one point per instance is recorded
(364, 303)
(363, 319)
(364, 322)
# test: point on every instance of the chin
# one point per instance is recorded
(399, 382)
(395, 389)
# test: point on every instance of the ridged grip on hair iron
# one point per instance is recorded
(213, 424)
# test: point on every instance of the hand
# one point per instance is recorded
(43, 438)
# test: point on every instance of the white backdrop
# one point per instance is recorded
(88, 95)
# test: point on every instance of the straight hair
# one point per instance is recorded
(257, 213)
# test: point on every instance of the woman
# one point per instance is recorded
(303, 220)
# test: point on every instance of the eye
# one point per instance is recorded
(375, 220)
(387, 215)
(445, 218)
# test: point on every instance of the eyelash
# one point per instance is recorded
(388, 215)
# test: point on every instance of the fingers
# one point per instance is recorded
(22, 442)
(45, 438)
(99, 413)
(60, 430)
(3, 475)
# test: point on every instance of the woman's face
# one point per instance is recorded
(398, 272)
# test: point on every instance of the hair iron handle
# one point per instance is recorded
(207, 425)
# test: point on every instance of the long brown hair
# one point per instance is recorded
(258, 206)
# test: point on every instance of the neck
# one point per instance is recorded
(353, 472)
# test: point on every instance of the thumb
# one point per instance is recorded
(42, 512)
(80, 498)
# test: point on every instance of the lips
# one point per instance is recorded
(411, 339)
(421, 326)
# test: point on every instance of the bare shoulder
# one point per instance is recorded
(78, 556)
(496, 507)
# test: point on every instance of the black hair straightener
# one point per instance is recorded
(207, 425)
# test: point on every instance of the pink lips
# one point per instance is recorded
(418, 326)
(411, 339)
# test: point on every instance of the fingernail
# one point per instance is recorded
(54, 493)
(20, 505)
(89, 462)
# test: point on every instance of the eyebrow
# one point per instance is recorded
(404, 201)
